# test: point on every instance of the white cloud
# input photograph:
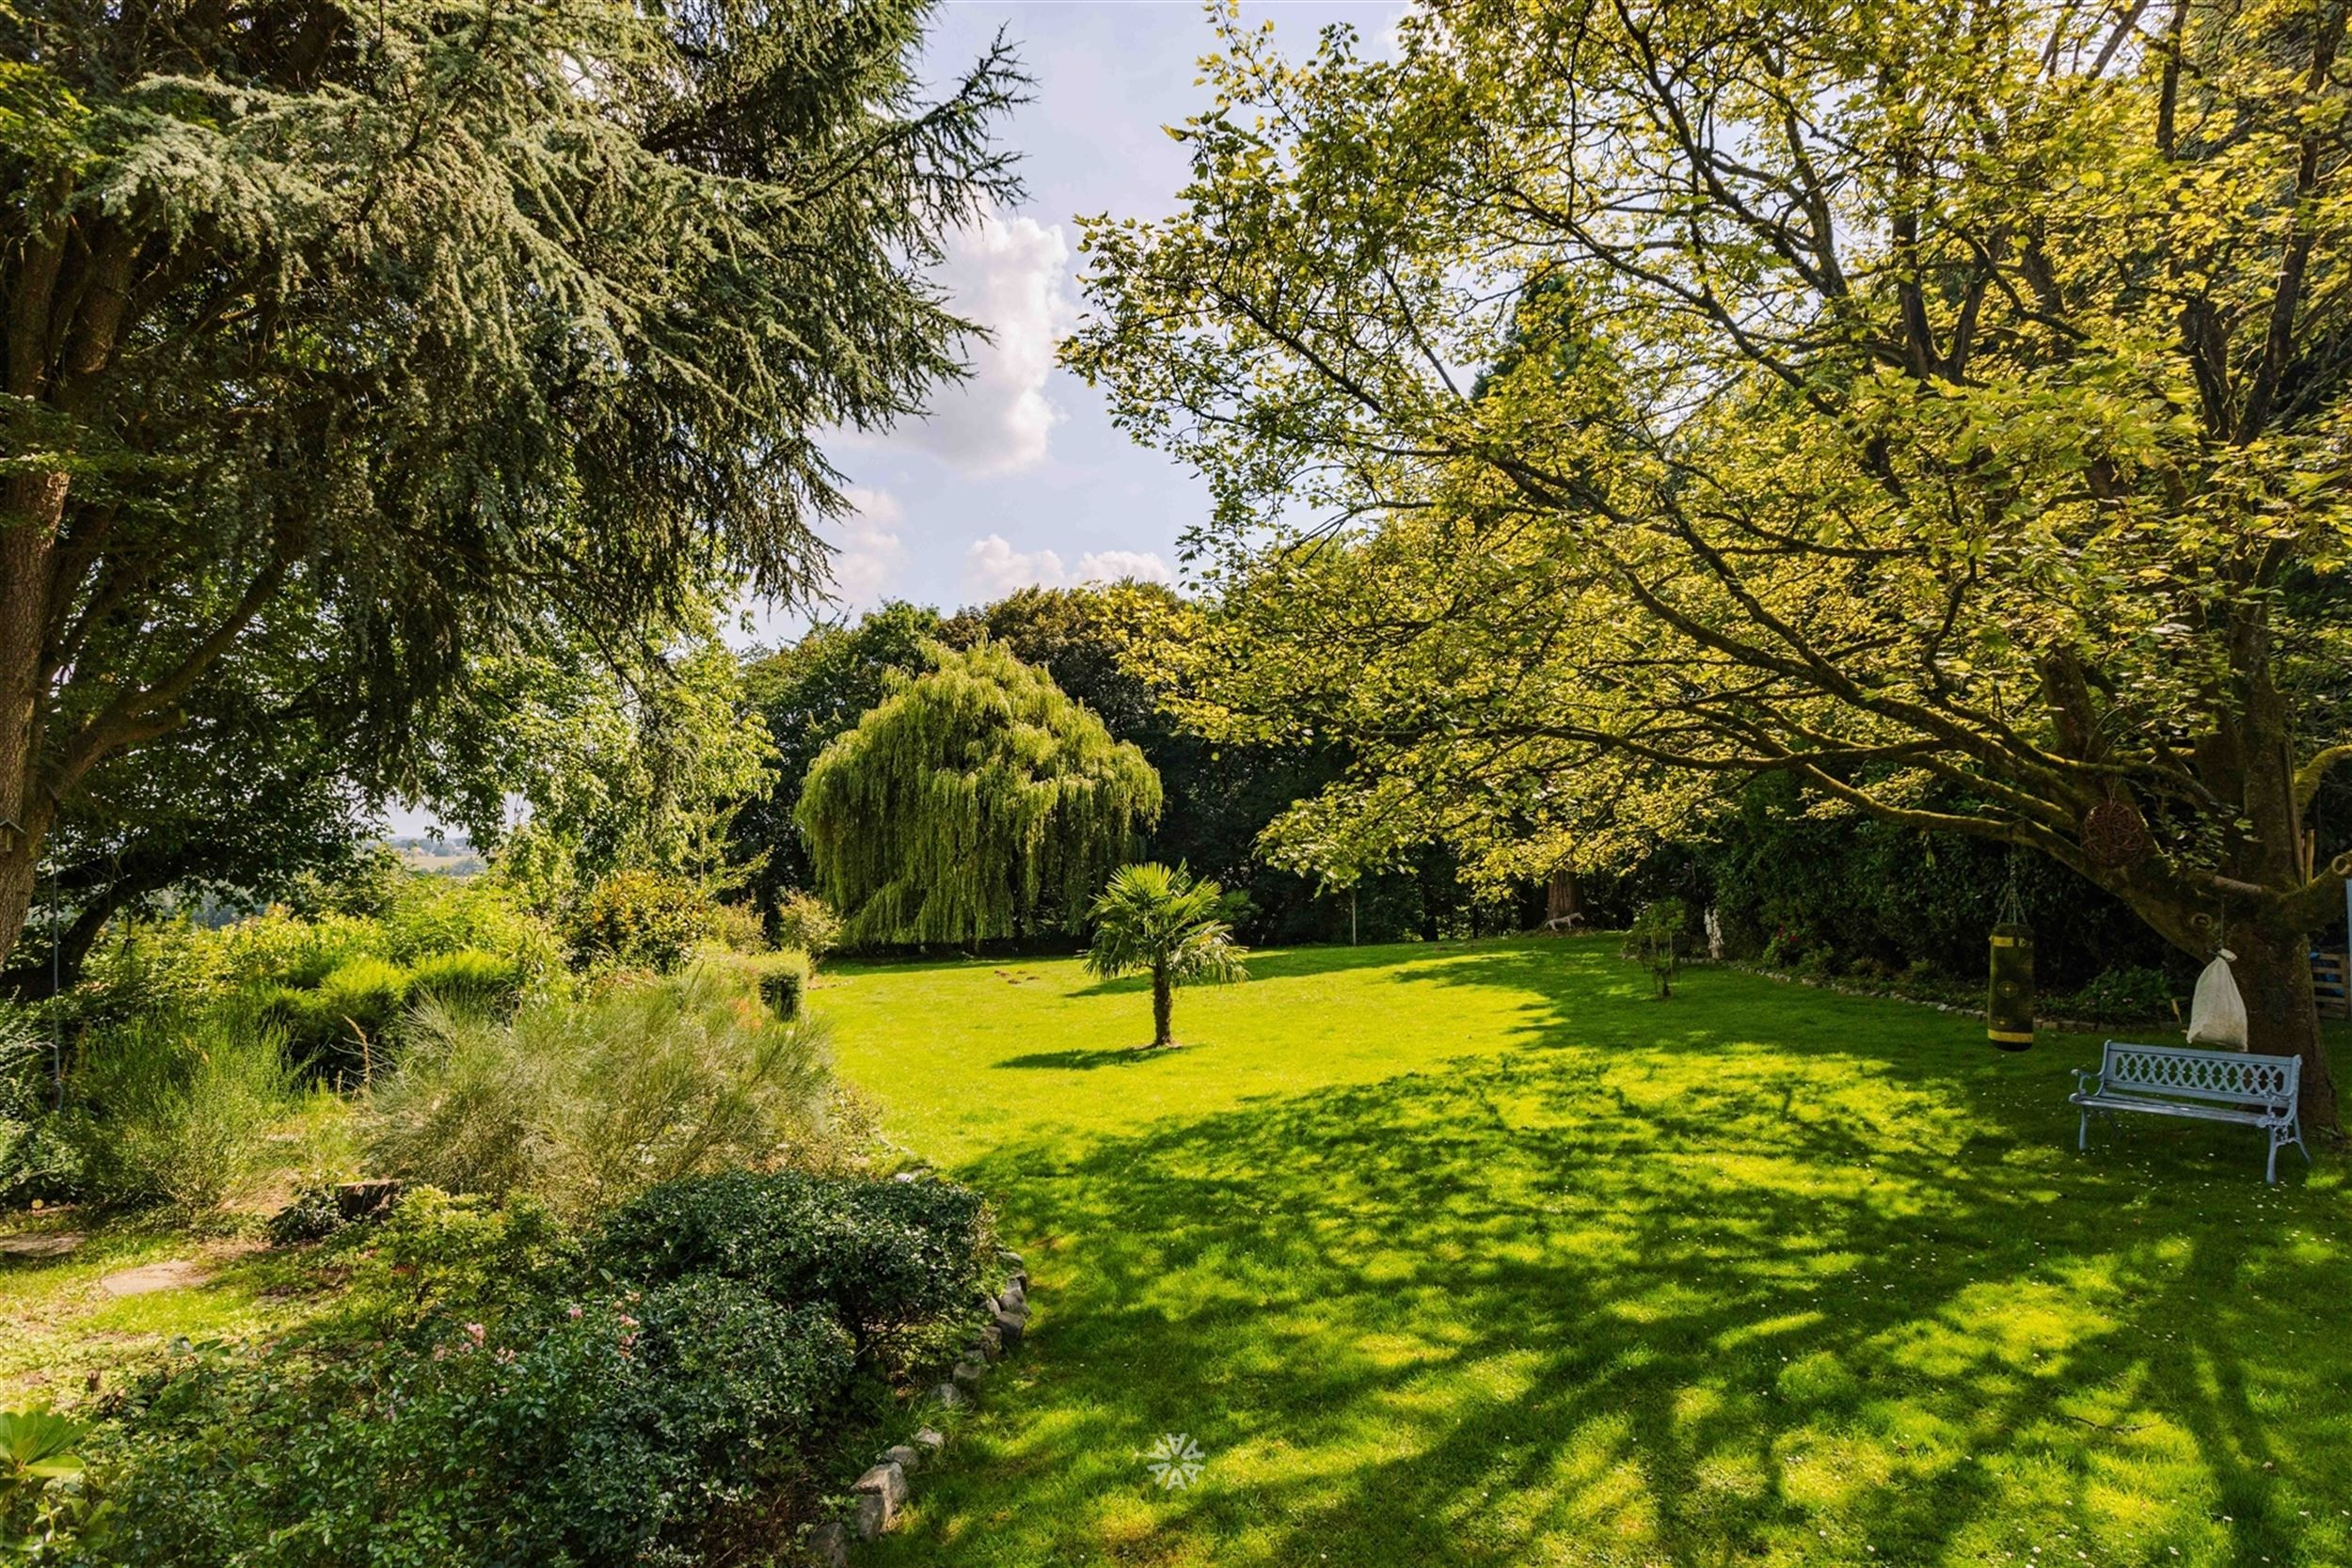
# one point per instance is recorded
(868, 555)
(1010, 275)
(992, 568)
(1114, 565)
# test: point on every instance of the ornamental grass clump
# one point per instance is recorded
(584, 1103)
(173, 1108)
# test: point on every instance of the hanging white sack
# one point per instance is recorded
(2217, 1014)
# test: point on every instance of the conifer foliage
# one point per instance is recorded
(978, 800)
(345, 341)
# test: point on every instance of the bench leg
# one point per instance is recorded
(2270, 1173)
(2082, 1136)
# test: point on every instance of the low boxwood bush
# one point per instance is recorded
(885, 1256)
(782, 979)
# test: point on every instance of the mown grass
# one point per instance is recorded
(1478, 1254)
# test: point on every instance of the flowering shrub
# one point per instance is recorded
(521, 1402)
(640, 919)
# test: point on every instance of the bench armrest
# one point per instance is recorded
(2088, 1078)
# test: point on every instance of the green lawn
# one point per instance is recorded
(1478, 1254)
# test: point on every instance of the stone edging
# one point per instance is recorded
(884, 1489)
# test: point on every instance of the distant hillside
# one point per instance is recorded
(440, 857)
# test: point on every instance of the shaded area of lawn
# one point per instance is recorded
(1479, 1255)
(65, 1335)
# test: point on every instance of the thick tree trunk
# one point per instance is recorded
(31, 507)
(19, 864)
(1563, 907)
(1163, 1003)
(2273, 973)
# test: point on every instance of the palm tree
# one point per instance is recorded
(1152, 918)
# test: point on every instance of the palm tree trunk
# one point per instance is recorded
(1163, 1003)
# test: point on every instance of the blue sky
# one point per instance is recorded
(1018, 476)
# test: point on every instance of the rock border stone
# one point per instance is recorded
(884, 1489)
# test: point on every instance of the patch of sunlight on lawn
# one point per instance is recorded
(1477, 1254)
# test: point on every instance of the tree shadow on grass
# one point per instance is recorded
(1301, 963)
(1823, 1304)
(1101, 1057)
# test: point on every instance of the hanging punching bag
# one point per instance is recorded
(2008, 1002)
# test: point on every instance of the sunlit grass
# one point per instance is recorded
(1480, 1254)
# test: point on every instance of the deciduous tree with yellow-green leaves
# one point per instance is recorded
(1943, 403)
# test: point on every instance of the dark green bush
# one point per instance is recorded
(36, 1158)
(1789, 878)
(885, 1256)
(341, 1030)
(585, 1436)
(479, 1449)
(310, 1215)
(2129, 992)
(782, 979)
(733, 1361)
(514, 1407)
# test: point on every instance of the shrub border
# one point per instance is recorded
(884, 1489)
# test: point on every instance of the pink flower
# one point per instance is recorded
(473, 1332)
(572, 1312)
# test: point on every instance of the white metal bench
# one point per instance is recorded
(2209, 1085)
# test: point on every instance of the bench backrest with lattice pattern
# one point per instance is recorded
(2235, 1077)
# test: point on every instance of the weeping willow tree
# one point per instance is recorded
(978, 800)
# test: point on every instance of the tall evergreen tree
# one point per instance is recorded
(432, 327)
(976, 802)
